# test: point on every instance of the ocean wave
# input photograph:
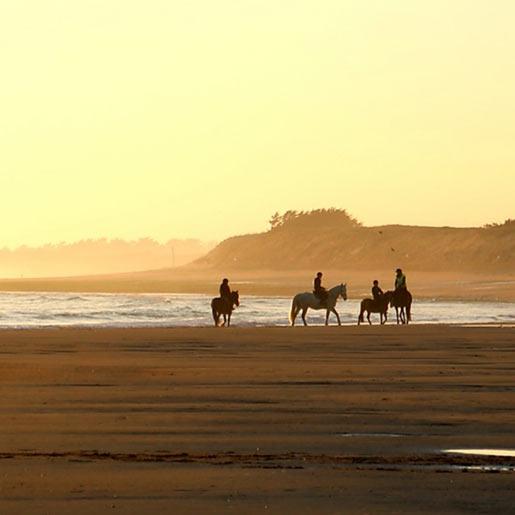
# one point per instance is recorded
(29, 310)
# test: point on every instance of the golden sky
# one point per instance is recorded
(200, 118)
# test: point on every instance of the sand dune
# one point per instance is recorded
(332, 239)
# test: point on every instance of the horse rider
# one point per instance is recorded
(400, 284)
(225, 290)
(376, 292)
(319, 290)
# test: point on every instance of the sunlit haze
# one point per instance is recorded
(201, 118)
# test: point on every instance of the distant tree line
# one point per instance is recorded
(317, 217)
(510, 222)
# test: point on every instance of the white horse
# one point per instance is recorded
(304, 301)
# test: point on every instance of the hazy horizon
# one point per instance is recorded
(293, 240)
(201, 119)
(99, 256)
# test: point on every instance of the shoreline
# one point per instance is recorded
(491, 325)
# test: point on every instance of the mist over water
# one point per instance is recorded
(34, 310)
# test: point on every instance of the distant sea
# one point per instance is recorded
(39, 310)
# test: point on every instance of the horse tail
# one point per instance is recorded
(408, 311)
(294, 311)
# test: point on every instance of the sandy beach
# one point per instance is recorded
(282, 420)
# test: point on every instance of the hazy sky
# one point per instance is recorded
(200, 118)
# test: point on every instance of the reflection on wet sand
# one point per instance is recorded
(483, 452)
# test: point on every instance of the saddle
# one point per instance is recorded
(401, 295)
(321, 296)
(226, 301)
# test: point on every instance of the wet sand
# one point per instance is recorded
(245, 420)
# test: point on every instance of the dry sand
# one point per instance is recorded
(464, 286)
(245, 420)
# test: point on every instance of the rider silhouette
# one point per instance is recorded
(376, 291)
(400, 284)
(225, 290)
(319, 290)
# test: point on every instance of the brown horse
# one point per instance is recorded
(401, 300)
(224, 306)
(376, 306)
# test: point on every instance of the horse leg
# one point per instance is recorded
(397, 314)
(337, 316)
(229, 319)
(368, 318)
(294, 312)
(327, 311)
(304, 311)
(225, 319)
(360, 317)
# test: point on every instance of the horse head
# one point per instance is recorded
(390, 296)
(235, 298)
(343, 291)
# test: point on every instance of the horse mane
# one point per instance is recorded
(337, 287)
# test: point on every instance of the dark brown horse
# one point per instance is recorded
(224, 306)
(376, 306)
(401, 301)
